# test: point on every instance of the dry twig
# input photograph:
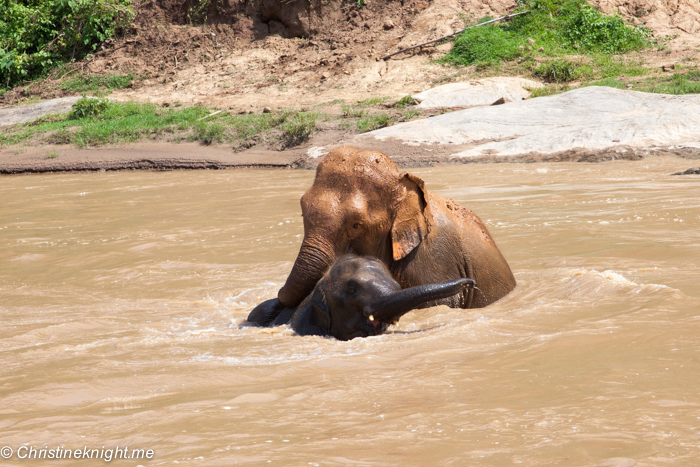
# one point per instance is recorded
(453, 34)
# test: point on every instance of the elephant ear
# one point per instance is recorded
(313, 318)
(413, 218)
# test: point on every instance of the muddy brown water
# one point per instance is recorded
(122, 294)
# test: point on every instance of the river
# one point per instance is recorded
(122, 297)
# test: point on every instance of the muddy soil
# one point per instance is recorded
(295, 53)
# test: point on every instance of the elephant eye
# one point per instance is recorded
(352, 289)
(356, 225)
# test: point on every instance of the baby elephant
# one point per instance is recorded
(358, 297)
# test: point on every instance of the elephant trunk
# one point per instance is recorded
(401, 302)
(311, 264)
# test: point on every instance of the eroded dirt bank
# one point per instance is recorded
(274, 53)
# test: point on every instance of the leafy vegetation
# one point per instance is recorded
(198, 11)
(405, 102)
(352, 110)
(359, 108)
(558, 71)
(676, 83)
(88, 107)
(687, 82)
(298, 128)
(373, 123)
(94, 122)
(548, 90)
(554, 27)
(94, 83)
(38, 35)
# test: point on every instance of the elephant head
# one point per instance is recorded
(358, 297)
(359, 203)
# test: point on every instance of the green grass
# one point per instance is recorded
(558, 71)
(609, 82)
(410, 114)
(93, 83)
(548, 90)
(405, 102)
(585, 68)
(677, 83)
(116, 123)
(359, 108)
(372, 123)
(371, 101)
(553, 28)
(298, 128)
(352, 111)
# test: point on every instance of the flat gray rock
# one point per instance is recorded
(29, 112)
(478, 92)
(590, 120)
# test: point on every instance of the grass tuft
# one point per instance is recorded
(373, 123)
(558, 71)
(298, 128)
(88, 107)
(405, 102)
(209, 134)
(352, 111)
(94, 83)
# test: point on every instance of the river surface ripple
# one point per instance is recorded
(122, 294)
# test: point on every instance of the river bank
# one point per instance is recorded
(589, 124)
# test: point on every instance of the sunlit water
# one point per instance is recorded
(122, 294)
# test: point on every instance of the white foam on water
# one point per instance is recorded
(611, 278)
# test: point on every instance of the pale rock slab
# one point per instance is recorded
(476, 92)
(591, 118)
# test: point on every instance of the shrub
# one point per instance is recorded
(552, 26)
(37, 35)
(591, 30)
(88, 107)
(298, 128)
(487, 44)
(209, 134)
(557, 71)
(405, 102)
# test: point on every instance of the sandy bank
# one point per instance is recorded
(589, 124)
(138, 156)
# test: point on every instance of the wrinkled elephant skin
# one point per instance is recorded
(360, 203)
(359, 298)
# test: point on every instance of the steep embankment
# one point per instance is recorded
(247, 55)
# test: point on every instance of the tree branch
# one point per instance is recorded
(454, 34)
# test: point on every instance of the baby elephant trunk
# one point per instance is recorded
(394, 306)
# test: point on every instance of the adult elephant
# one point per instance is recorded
(360, 203)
